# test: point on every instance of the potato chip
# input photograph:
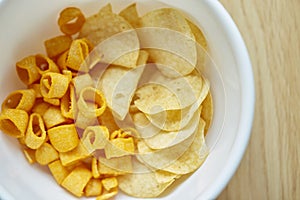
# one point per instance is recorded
(46, 154)
(66, 18)
(20, 99)
(108, 120)
(76, 181)
(58, 171)
(104, 28)
(115, 166)
(57, 45)
(143, 184)
(119, 147)
(171, 41)
(14, 122)
(64, 137)
(131, 15)
(207, 111)
(93, 188)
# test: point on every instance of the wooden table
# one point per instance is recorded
(270, 168)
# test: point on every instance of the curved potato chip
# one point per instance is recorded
(171, 39)
(36, 134)
(134, 184)
(27, 70)
(131, 15)
(14, 122)
(64, 138)
(117, 41)
(193, 157)
(20, 99)
(67, 16)
(165, 139)
(207, 111)
(57, 45)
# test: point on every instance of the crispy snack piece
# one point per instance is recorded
(78, 51)
(27, 70)
(64, 138)
(57, 45)
(59, 172)
(68, 106)
(46, 154)
(36, 133)
(66, 17)
(75, 156)
(20, 99)
(53, 116)
(14, 122)
(44, 64)
(93, 188)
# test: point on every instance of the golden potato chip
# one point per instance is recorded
(134, 184)
(76, 181)
(66, 18)
(58, 171)
(170, 40)
(36, 133)
(64, 137)
(14, 122)
(27, 70)
(74, 156)
(207, 111)
(46, 154)
(131, 15)
(57, 45)
(193, 157)
(20, 99)
(93, 188)
(118, 41)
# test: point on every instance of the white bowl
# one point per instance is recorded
(26, 24)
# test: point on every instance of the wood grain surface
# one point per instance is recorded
(270, 168)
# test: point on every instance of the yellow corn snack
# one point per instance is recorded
(44, 64)
(109, 183)
(77, 53)
(62, 60)
(57, 45)
(94, 96)
(53, 117)
(20, 99)
(58, 171)
(65, 20)
(119, 147)
(63, 138)
(115, 166)
(95, 137)
(46, 154)
(76, 181)
(93, 188)
(36, 88)
(54, 85)
(83, 122)
(76, 155)
(108, 120)
(36, 134)
(53, 101)
(29, 155)
(94, 167)
(14, 122)
(82, 81)
(68, 104)
(108, 195)
(27, 70)
(40, 107)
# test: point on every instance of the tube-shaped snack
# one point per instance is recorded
(95, 137)
(57, 45)
(36, 134)
(65, 20)
(14, 122)
(68, 103)
(44, 64)
(64, 138)
(20, 99)
(54, 85)
(90, 95)
(78, 51)
(27, 70)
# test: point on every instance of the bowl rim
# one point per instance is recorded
(242, 58)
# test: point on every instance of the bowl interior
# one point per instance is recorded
(228, 70)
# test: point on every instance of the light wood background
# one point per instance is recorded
(270, 168)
